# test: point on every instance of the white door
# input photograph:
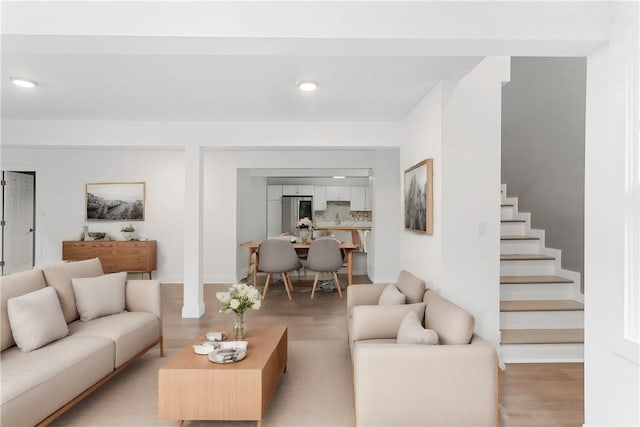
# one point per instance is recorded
(18, 225)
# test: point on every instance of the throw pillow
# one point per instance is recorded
(452, 324)
(412, 332)
(59, 277)
(99, 296)
(14, 285)
(36, 319)
(411, 286)
(391, 296)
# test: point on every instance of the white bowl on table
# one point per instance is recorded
(204, 348)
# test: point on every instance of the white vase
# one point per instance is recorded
(127, 235)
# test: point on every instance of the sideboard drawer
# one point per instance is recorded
(130, 256)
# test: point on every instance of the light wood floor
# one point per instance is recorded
(530, 394)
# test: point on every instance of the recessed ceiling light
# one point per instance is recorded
(307, 86)
(338, 177)
(23, 82)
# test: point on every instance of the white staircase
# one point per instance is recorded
(541, 307)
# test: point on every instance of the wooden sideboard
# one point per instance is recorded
(134, 256)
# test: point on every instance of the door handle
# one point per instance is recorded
(31, 230)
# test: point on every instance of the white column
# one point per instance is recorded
(193, 306)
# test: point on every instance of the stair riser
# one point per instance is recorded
(527, 268)
(507, 212)
(519, 246)
(536, 292)
(541, 353)
(542, 320)
(513, 228)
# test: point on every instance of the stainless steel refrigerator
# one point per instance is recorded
(293, 209)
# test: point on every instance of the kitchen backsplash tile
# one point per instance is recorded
(339, 213)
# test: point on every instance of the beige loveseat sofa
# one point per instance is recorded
(453, 383)
(39, 385)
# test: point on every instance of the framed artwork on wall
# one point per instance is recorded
(418, 197)
(115, 201)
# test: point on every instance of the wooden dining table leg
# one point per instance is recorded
(255, 269)
(249, 266)
(349, 267)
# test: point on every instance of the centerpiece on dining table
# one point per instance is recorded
(239, 298)
(305, 225)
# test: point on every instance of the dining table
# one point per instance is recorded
(347, 247)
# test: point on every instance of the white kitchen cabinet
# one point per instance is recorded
(360, 199)
(320, 198)
(274, 218)
(368, 196)
(274, 192)
(297, 190)
(340, 194)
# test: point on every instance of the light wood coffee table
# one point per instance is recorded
(190, 387)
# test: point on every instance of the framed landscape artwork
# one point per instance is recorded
(115, 201)
(418, 197)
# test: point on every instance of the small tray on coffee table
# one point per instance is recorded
(227, 355)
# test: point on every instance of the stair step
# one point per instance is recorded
(519, 237)
(525, 257)
(513, 220)
(541, 305)
(526, 280)
(542, 336)
(542, 353)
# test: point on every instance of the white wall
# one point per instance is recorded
(422, 254)
(471, 129)
(98, 148)
(251, 209)
(61, 175)
(612, 382)
(383, 255)
(543, 149)
(459, 126)
(225, 261)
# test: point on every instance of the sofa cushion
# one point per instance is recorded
(99, 296)
(36, 384)
(411, 286)
(391, 296)
(412, 332)
(36, 319)
(452, 324)
(14, 285)
(380, 321)
(131, 331)
(59, 277)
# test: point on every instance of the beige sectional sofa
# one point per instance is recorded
(454, 383)
(39, 385)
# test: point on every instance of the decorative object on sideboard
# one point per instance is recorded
(128, 232)
(95, 235)
(418, 197)
(115, 201)
(239, 298)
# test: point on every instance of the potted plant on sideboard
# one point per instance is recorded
(127, 232)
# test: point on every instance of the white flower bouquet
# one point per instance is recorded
(239, 298)
(305, 223)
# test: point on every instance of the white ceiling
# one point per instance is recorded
(220, 87)
(240, 60)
